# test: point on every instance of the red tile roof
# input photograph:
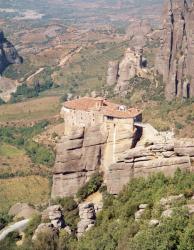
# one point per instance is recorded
(102, 105)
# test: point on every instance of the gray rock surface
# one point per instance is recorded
(141, 211)
(8, 54)
(112, 73)
(87, 218)
(175, 59)
(44, 228)
(154, 223)
(143, 161)
(171, 200)
(92, 151)
(167, 213)
(55, 216)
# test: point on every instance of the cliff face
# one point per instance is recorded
(119, 73)
(84, 151)
(114, 152)
(8, 54)
(175, 60)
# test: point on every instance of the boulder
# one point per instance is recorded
(154, 223)
(167, 213)
(44, 228)
(22, 210)
(171, 200)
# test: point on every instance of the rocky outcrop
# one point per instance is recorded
(114, 151)
(137, 31)
(53, 222)
(45, 228)
(143, 161)
(112, 73)
(8, 54)
(22, 210)
(88, 216)
(140, 212)
(54, 215)
(7, 87)
(86, 151)
(175, 59)
(119, 74)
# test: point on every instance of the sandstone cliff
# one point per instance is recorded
(116, 154)
(175, 59)
(8, 54)
(84, 151)
(119, 73)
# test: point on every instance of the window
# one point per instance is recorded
(110, 118)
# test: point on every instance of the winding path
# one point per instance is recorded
(18, 226)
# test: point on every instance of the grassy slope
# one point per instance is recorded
(31, 110)
(30, 189)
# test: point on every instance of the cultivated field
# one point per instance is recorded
(31, 110)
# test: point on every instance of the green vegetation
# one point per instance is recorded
(4, 220)
(24, 91)
(23, 138)
(1, 101)
(70, 211)
(116, 227)
(90, 187)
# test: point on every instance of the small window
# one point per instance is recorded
(110, 118)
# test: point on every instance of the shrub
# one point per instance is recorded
(35, 221)
(178, 125)
(1, 101)
(4, 219)
(90, 187)
(39, 154)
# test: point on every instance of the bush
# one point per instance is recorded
(90, 187)
(23, 138)
(39, 154)
(4, 220)
(35, 221)
(1, 101)
(24, 91)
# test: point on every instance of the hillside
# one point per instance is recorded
(96, 125)
(119, 226)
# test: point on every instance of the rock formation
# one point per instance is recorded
(8, 54)
(112, 74)
(143, 161)
(137, 31)
(53, 222)
(54, 214)
(85, 151)
(133, 64)
(7, 87)
(22, 210)
(175, 59)
(88, 216)
(140, 212)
